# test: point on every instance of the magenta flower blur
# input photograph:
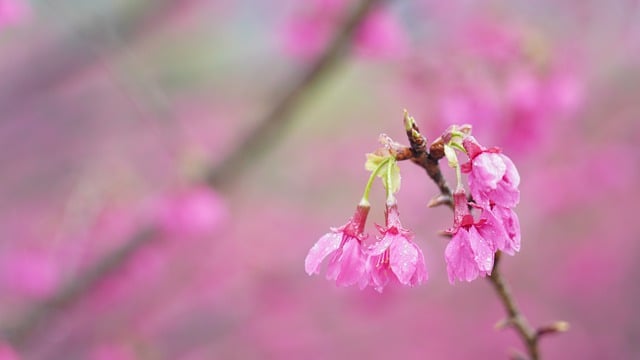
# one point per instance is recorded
(471, 250)
(493, 179)
(343, 246)
(395, 257)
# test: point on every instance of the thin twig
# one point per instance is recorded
(515, 317)
(230, 168)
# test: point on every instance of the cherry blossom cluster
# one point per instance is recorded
(483, 223)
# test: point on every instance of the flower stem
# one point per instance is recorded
(391, 199)
(367, 189)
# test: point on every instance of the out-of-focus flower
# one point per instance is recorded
(191, 212)
(29, 273)
(7, 352)
(306, 35)
(395, 256)
(493, 179)
(344, 247)
(381, 36)
(13, 12)
(470, 251)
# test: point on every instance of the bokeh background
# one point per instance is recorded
(113, 246)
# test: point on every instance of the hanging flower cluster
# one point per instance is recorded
(483, 224)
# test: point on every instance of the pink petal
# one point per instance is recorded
(511, 174)
(380, 246)
(492, 231)
(482, 252)
(511, 224)
(403, 259)
(327, 244)
(420, 275)
(352, 264)
(488, 169)
(460, 259)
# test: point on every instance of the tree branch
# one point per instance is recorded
(269, 128)
(263, 136)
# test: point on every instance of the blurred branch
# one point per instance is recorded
(74, 290)
(50, 64)
(264, 135)
(269, 128)
(428, 160)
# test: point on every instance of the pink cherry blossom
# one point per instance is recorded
(395, 257)
(493, 178)
(344, 247)
(471, 250)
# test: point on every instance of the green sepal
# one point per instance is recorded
(450, 154)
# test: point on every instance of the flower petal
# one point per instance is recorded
(326, 245)
(482, 252)
(489, 168)
(460, 259)
(492, 230)
(511, 224)
(403, 259)
(352, 263)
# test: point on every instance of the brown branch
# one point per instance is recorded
(264, 135)
(428, 160)
(515, 319)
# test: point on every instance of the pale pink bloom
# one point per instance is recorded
(344, 248)
(493, 178)
(395, 257)
(191, 212)
(381, 36)
(471, 250)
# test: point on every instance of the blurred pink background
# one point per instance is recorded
(111, 111)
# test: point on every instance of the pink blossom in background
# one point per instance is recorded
(395, 257)
(191, 212)
(13, 12)
(380, 36)
(29, 273)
